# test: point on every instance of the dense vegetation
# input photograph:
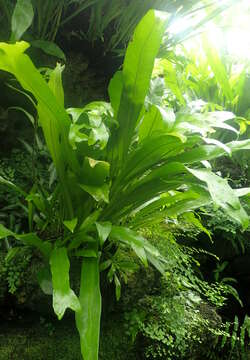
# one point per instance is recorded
(133, 207)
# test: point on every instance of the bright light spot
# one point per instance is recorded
(231, 33)
(238, 43)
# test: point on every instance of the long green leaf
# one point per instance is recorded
(21, 19)
(29, 239)
(52, 116)
(63, 295)
(88, 318)
(136, 74)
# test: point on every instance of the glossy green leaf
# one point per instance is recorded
(52, 116)
(21, 19)
(99, 135)
(89, 125)
(136, 74)
(156, 120)
(55, 83)
(138, 243)
(49, 48)
(28, 239)
(63, 296)
(103, 229)
(209, 152)
(31, 239)
(223, 195)
(4, 232)
(88, 318)
(115, 91)
(99, 193)
(71, 224)
(132, 239)
(86, 253)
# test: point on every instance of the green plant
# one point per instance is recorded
(119, 167)
(15, 263)
(112, 22)
(236, 338)
(176, 315)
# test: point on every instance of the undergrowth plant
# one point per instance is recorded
(120, 166)
(111, 22)
(172, 317)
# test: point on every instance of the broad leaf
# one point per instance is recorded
(49, 48)
(88, 318)
(103, 229)
(21, 19)
(63, 295)
(52, 116)
(138, 243)
(71, 224)
(156, 120)
(4, 232)
(115, 91)
(29, 239)
(136, 74)
(223, 195)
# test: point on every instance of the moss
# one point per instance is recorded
(53, 340)
(38, 343)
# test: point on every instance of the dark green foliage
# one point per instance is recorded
(176, 314)
(120, 167)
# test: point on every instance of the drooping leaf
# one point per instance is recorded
(26, 113)
(52, 116)
(28, 239)
(94, 173)
(12, 186)
(45, 281)
(156, 120)
(21, 19)
(103, 229)
(143, 249)
(63, 295)
(99, 193)
(191, 218)
(88, 318)
(55, 83)
(33, 240)
(4, 232)
(49, 48)
(223, 195)
(71, 224)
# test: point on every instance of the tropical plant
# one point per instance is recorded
(101, 18)
(120, 166)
